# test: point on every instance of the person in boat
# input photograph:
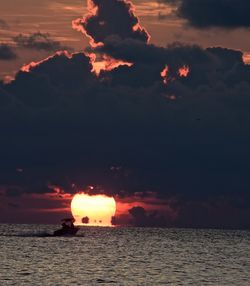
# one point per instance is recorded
(65, 226)
(68, 224)
(68, 228)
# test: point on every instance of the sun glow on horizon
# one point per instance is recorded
(96, 210)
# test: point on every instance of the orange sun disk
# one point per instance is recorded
(98, 209)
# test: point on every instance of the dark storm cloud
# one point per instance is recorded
(187, 139)
(64, 125)
(39, 84)
(112, 17)
(208, 67)
(26, 187)
(38, 41)
(142, 218)
(214, 13)
(7, 53)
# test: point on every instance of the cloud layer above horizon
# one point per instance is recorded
(175, 121)
(213, 13)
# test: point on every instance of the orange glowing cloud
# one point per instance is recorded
(150, 203)
(164, 74)
(246, 58)
(8, 79)
(137, 26)
(77, 24)
(30, 66)
(98, 23)
(183, 71)
(106, 63)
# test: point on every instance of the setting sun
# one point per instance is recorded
(94, 210)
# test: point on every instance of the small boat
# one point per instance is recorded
(68, 228)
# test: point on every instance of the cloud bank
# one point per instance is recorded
(175, 122)
(109, 18)
(213, 13)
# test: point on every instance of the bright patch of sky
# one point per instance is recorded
(55, 17)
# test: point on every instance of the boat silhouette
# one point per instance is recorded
(67, 229)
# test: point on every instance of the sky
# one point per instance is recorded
(146, 102)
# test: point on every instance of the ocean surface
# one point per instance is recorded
(29, 255)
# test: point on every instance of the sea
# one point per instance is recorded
(30, 255)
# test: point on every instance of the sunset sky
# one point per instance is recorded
(145, 102)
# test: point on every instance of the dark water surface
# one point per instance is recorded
(123, 256)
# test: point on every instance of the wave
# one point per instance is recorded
(27, 234)
(36, 234)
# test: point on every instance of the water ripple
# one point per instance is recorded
(123, 256)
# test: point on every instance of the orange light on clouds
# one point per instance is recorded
(246, 58)
(30, 66)
(78, 23)
(93, 11)
(137, 26)
(78, 26)
(99, 209)
(184, 71)
(164, 74)
(106, 63)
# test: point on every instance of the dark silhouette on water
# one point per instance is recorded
(67, 229)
